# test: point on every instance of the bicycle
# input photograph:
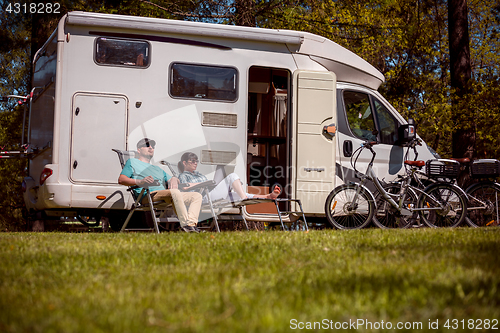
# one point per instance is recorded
(437, 171)
(483, 196)
(386, 216)
(352, 206)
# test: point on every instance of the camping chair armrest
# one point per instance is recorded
(209, 184)
(130, 188)
(146, 186)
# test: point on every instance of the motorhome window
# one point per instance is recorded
(122, 52)
(359, 115)
(388, 125)
(203, 82)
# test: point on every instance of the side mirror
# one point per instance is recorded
(407, 132)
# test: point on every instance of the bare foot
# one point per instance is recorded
(275, 193)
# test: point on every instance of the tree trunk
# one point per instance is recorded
(464, 135)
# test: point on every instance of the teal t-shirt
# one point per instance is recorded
(137, 169)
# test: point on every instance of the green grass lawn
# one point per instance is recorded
(270, 281)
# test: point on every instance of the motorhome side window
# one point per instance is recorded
(359, 115)
(203, 82)
(122, 52)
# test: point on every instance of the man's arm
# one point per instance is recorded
(124, 180)
(173, 182)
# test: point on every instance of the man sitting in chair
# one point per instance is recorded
(139, 171)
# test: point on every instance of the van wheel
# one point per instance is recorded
(38, 226)
(105, 224)
(116, 221)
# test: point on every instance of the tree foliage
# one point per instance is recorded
(14, 80)
(407, 40)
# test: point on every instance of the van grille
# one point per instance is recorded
(219, 119)
(218, 157)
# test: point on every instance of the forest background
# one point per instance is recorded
(407, 40)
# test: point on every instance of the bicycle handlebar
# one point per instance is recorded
(366, 144)
(369, 144)
(413, 144)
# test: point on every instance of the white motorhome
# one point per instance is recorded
(262, 103)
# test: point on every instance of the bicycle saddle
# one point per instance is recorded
(418, 164)
(463, 160)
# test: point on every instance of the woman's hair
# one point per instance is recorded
(184, 158)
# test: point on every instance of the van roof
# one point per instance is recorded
(348, 66)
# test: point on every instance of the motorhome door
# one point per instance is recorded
(99, 125)
(314, 137)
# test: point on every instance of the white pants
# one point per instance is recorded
(223, 190)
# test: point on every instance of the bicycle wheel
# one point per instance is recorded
(483, 204)
(388, 217)
(446, 205)
(344, 212)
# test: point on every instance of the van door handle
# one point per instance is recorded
(347, 148)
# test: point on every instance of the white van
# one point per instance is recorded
(263, 103)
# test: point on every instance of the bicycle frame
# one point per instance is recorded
(370, 175)
(405, 186)
(481, 204)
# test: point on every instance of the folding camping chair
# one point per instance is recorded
(205, 188)
(221, 205)
(158, 209)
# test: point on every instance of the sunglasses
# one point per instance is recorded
(147, 145)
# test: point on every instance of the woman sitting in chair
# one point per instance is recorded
(187, 167)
